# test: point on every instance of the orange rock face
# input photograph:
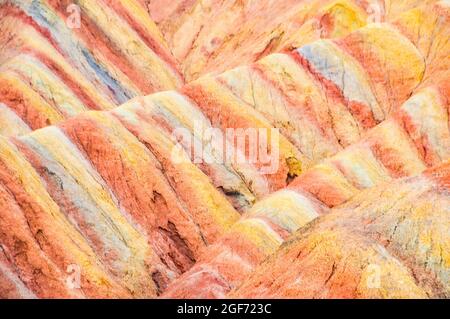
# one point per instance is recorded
(367, 248)
(215, 149)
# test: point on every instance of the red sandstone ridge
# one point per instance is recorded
(122, 139)
(367, 248)
(213, 36)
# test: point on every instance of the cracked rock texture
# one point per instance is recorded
(105, 104)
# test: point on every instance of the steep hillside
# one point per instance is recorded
(216, 35)
(386, 152)
(388, 242)
(222, 148)
(57, 61)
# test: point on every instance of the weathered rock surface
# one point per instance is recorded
(387, 152)
(213, 36)
(105, 194)
(54, 66)
(132, 217)
(391, 241)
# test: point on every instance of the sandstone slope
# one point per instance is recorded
(54, 67)
(388, 242)
(101, 126)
